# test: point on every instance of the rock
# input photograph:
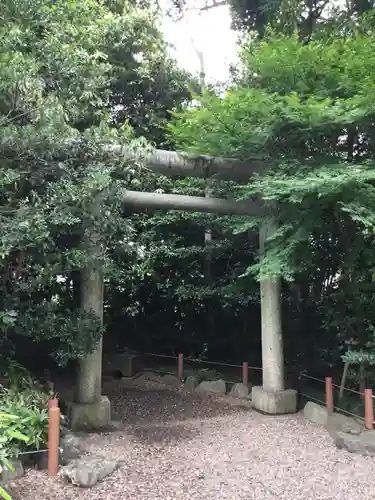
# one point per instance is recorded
(343, 423)
(172, 381)
(214, 386)
(70, 448)
(315, 413)
(8, 475)
(147, 377)
(368, 441)
(349, 442)
(191, 383)
(239, 391)
(362, 444)
(86, 472)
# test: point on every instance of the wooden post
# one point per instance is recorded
(369, 410)
(245, 373)
(53, 403)
(180, 366)
(329, 394)
(53, 440)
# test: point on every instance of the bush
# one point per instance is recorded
(10, 438)
(23, 418)
(29, 409)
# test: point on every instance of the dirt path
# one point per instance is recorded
(191, 448)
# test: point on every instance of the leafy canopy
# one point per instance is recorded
(63, 66)
(307, 111)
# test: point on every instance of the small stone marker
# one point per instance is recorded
(214, 386)
(86, 472)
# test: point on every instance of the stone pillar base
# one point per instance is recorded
(274, 402)
(90, 416)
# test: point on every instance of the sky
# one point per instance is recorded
(213, 36)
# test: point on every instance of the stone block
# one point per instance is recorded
(239, 391)
(90, 416)
(213, 386)
(191, 383)
(274, 402)
(86, 472)
(315, 413)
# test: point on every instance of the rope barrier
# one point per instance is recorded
(341, 410)
(304, 375)
(194, 360)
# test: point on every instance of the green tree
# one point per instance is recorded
(57, 78)
(307, 111)
(306, 17)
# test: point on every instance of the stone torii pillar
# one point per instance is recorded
(91, 410)
(272, 397)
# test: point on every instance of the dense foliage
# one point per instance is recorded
(74, 77)
(307, 111)
(78, 76)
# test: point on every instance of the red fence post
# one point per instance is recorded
(369, 410)
(53, 439)
(180, 366)
(245, 373)
(329, 394)
(53, 403)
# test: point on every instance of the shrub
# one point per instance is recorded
(29, 407)
(10, 437)
(23, 418)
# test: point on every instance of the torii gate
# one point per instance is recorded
(91, 408)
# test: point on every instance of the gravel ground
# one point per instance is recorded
(190, 447)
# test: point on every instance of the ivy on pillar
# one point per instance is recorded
(91, 410)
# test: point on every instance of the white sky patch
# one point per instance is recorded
(213, 36)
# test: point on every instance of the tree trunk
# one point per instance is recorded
(343, 380)
(208, 190)
(208, 264)
(90, 367)
(272, 340)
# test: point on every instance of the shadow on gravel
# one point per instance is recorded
(166, 434)
(135, 406)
